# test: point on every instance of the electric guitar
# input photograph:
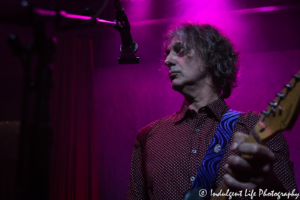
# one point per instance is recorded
(280, 115)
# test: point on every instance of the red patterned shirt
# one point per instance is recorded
(168, 152)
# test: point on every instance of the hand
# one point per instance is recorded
(248, 173)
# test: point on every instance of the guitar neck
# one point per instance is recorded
(280, 115)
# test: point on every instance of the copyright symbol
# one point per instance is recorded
(202, 192)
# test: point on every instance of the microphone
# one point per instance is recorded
(128, 46)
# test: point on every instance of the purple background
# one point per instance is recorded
(128, 97)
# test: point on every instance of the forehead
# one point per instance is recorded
(172, 42)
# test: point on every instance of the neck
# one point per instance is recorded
(199, 96)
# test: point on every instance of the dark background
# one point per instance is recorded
(128, 97)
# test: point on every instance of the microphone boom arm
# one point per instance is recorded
(128, 46)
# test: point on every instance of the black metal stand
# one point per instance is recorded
(36, 134)
(35, 137)
(128, 46)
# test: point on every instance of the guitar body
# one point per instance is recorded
(194, 194)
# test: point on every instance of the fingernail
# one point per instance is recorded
(234, 146)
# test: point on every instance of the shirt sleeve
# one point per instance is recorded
(283, 167)
(137, 185)
(137, 188)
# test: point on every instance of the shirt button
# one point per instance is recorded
(192, 178)
(197, 130)
(217, 148)
(194, 151)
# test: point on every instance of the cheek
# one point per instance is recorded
(183, 61)
(191, 65)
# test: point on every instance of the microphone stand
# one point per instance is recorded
(36, 133)
(25, 14)
(128, 46)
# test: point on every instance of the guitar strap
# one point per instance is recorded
(208, 169)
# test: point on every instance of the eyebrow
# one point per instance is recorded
(176, 44)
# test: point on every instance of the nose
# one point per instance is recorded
(169, 61)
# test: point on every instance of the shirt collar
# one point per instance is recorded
(217, 108)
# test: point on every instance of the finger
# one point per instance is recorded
(233, 184)
(242, 170)
(228, 170)
(238, 139)
(238, 175)
(257, 151)
(239, 164)
(242, 176)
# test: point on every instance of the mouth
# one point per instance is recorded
(172, 74)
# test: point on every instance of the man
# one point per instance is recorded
(167, 153)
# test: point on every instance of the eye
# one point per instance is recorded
(178, 48)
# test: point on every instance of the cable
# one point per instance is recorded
(100, 10)
(96, 15)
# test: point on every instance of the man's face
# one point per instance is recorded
(184, 69)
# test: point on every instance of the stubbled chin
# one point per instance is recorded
(176, 85)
